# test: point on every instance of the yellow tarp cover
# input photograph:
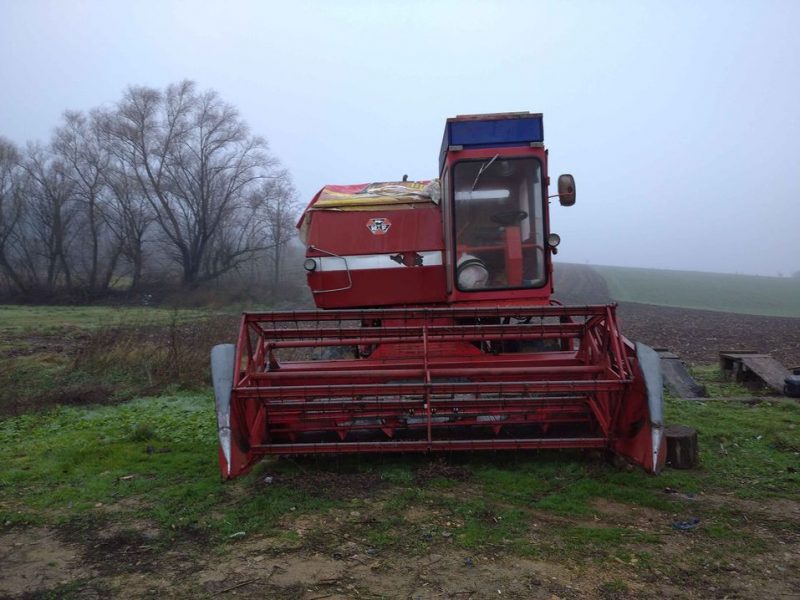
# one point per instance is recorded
(392, 195)
(399, 194)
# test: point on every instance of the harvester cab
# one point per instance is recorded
(435, 328)
(494, 183)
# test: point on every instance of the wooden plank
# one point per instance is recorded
(677, 378)
(769, 370)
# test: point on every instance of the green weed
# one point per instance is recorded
(48, 320)
(153, 458)
(711, 378)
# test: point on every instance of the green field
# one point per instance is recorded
(16, 319)
(51, 355)
(134, 490)
(749, 294)
(119, 495)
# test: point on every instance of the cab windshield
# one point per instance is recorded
(499, 227)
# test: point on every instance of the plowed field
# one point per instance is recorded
(697, 335)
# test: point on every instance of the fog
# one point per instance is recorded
(679, 120)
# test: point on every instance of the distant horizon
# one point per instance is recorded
(740, 274)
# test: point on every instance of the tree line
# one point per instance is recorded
(165, 185)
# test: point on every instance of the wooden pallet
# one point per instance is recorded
(753, 369)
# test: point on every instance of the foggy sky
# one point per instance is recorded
(679, 120)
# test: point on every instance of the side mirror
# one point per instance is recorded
(566, 190)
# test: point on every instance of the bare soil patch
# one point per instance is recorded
(696, 335)
(699, 335)
(441, 468)
(331, 557)
(37, 559)
(69, 395)
(328, 484)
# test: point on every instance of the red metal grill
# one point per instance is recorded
(427, 379)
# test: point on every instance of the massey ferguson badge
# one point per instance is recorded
(379, 226)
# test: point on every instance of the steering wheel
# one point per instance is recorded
(509, 217)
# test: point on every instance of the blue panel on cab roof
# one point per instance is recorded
(486, 133)
(505, 131)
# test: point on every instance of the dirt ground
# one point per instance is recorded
(314, 557)
(699, 335)
(326, 558)
(696, 335)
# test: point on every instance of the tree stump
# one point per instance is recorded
(682, 450)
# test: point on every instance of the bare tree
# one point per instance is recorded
(164, 181)
(51, 212)
(11, 210)
(127, 213)
(197, 165)
(280, 199)
(79, 144)
(129, 217)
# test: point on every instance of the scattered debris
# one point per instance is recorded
(686, 525)
(440, 468)
(237, 586)
(247, 582)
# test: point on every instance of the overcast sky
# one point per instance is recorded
(679, 120)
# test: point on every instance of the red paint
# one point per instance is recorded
(379, 287)
(513, 255)
(427, 383)
(435, 369)
(347, 233)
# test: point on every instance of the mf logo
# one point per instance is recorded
(379, 225)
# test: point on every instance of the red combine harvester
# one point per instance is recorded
(439, 331)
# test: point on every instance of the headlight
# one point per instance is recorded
(472, 273)
(310, 265)
(553, 240)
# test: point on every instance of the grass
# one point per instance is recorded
(156, 459)
(749, 294)
(48, 320)
(152, 463)
(151, 458)
(716, 386)
(64, 355)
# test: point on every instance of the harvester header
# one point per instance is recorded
(436, 328)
